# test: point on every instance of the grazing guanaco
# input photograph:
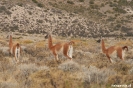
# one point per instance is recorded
(118, 50)
(65, 48)
(14, 49)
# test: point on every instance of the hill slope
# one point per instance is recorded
(75, 18)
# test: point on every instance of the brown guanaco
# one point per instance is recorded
(14, 49)
(65, 48)
(118, 50)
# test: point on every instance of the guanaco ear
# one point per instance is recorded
(7, 36)
(99, 40)
(46, 36)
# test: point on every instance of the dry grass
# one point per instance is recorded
(26, 41)
(54, 79)
(40, 44)
(125, 42)
(89, 68)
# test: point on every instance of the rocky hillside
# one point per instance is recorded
(76, 18)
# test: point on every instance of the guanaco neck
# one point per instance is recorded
(103, 47)
(50, 43)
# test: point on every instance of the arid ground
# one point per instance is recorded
(88, 69)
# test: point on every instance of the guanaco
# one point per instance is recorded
(120, 51)
(14, 49)
(65, 48)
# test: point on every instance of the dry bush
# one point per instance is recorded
(95, 75)
(31, 51)
(35, 52)
(1, 55)
(27, 42)
(115, 79)
(6, 65)
(129, 61)
(54, 79)
(131, 71)
(24, 71)
(8, 85)
(122, 68)
(4, 51)
(120, 79)
(128, 79)
(70, 66)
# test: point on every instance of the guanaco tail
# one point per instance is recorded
(65, 48)
(14, 49)
(120, 51)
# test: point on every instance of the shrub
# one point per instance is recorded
(14, 27)
(31, 51)
(70, 2)
(6, 65)
(40, 5)
(122, 68)
(81, 0)
(20, 4)
(131, 71)
(8, 85)
(34, 1)
(23, 73)
(69, 66)
(2, 8)
(102, 5)
(91, 2)
(26, 69)
(4, 51)
(40, 21)
(95, 75)
(115, 79)
(119, 10)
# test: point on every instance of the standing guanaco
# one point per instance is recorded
(118, 50)
(65, 48)
(14, 49)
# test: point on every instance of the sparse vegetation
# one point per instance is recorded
(27, 41)
(91, 2)
(70, 2)
(83, 22)
(35, 1)
(38, 4)
(81, 0)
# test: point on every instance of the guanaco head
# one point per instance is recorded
(46, 36)
(125, 48)
(99, 40)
